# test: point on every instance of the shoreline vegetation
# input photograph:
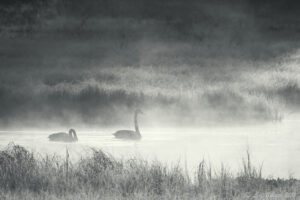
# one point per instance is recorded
(26, 175)
(93, 62)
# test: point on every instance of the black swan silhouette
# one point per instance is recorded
(129, 134)
(64, 137)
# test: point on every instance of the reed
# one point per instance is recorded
(101, 176)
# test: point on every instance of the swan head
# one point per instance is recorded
(71, 131)
(139, 111)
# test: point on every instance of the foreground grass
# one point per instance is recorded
(28, 176)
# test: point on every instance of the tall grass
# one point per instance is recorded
(100, 176)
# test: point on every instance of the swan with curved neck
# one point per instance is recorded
(129, 134)
(64, 137)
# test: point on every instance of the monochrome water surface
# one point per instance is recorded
(274, 146)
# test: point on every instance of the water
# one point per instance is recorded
(276, 146)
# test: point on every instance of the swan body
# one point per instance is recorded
(129, 134)
(64, 137)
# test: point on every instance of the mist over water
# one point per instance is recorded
(213, 79)
(274, 146)
(187, 63)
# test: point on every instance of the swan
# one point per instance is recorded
(129, 134)
(64, 137)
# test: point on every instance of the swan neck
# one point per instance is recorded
(73, 134)
(136, 123)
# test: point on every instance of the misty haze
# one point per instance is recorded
(149, 99)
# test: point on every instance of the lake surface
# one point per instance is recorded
(275, 145)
